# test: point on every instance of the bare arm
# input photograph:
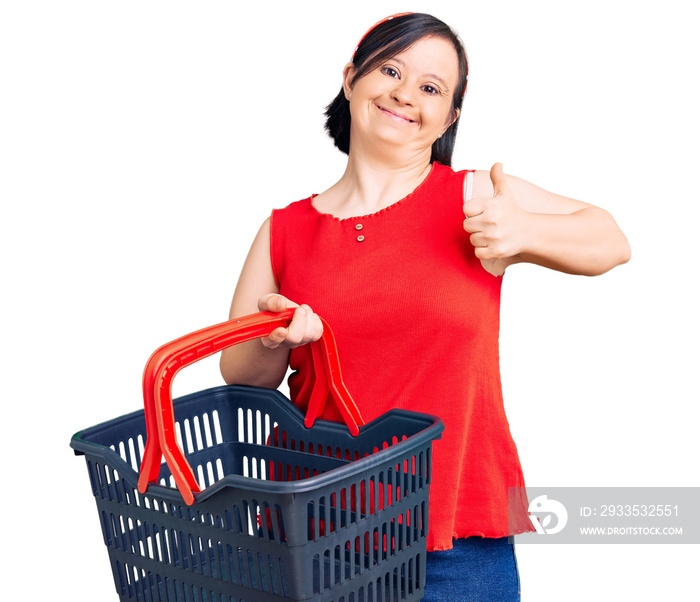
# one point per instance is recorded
(263, 362)
(511, 220)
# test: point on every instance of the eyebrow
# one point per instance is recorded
(432, 75)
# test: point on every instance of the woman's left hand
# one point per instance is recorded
(522, 222)
(496, 224)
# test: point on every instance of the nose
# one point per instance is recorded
(402, 94)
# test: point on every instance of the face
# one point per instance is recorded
(407, 99)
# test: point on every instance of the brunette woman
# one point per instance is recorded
(404, 257)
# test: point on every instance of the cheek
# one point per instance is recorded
(449, 116)
(441, 118)
(369, 84)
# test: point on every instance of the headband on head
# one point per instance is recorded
(391, 17)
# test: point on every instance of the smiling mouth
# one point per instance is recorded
(396, 116)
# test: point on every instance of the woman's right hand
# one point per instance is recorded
(304, 328)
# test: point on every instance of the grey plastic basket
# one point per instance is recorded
(285, 512)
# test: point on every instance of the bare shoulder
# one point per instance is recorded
(482, 186)
(260, 247)
(264, 231)
(257, 277)
(260, 254)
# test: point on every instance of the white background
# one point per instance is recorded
(142, 144)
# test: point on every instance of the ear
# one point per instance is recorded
(454, 117)
(449, 122)
(349, 73)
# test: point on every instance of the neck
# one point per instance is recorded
(370, 184)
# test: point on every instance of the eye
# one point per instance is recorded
(390, 72)
(430, 89)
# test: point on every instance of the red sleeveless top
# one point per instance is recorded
(416, 319)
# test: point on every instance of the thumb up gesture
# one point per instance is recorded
(496, 224)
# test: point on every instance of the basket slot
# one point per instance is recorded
(199, 555)
(254, 426)
(289, 465)
(357, 500)
(332, 568)
(107, 484)
(127, 451)
(337, 510)
(261, 462)
(197, 432)
(242, 568)
(341, 563)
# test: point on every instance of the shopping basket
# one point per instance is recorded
(336, 512)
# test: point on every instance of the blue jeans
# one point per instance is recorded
(476, 569)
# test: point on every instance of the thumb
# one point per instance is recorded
(274, 302)
(498, 179)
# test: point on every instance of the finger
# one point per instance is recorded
(482, 253)
(486, 248)
(473, 207)
(297, 329)
(475, 239)
(314, 324)
(479, 240)
(305, 327)
(274, 302)
(472, 225)
(498, 179)
(275, 338)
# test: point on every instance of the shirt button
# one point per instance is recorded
(360, 238)
(358, 227)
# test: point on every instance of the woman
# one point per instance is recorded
(404, 256)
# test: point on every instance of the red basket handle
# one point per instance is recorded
(170, 358)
